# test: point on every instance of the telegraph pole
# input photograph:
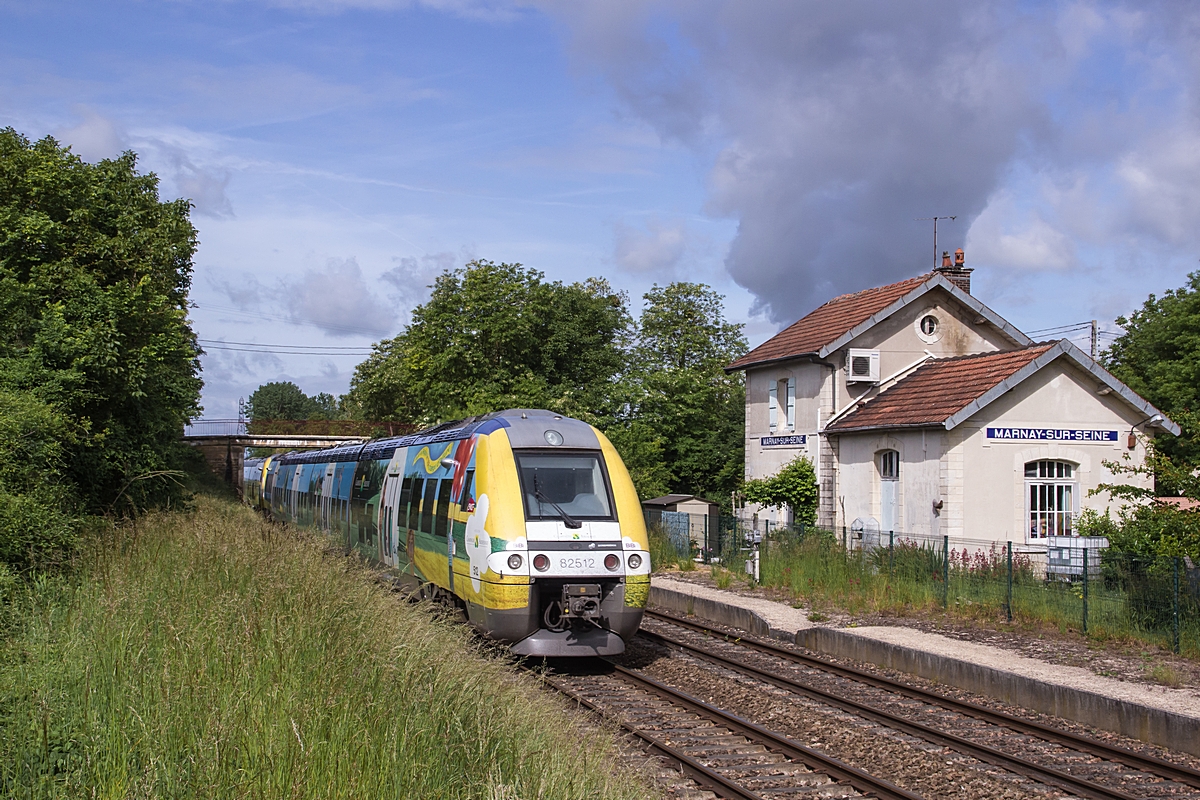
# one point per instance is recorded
(935, 222)
(1095, 334)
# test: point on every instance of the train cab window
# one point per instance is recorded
(575, 482)
(443, 507)
(467, 501)
(414, 507)
(428, 504)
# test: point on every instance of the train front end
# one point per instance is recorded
(575, 537)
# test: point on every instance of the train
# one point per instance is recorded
(524, 519)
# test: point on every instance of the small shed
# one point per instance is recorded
(701, 515)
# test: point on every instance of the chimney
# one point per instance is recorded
(959, 274)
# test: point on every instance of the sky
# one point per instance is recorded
(342, 153)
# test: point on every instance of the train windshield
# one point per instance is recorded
(564, 483)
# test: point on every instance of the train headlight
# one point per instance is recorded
(611, 561)
(554, 438)
(635, 561)
(541, 562)
(514, 561)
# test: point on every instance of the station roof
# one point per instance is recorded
(842, 319)
(946, 392)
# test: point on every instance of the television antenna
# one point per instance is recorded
(935, 222)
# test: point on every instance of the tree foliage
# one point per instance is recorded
(1158, 356)
(684, 416)
(96, 352)
(496, 336)
(285, 400)
(795, 486)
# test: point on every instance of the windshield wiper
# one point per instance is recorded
(567, 519)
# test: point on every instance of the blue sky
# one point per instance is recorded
(341, 154)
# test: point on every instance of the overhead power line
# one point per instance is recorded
(286, 346)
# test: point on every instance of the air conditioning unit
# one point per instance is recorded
(863, 366)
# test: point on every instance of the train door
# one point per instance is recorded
(294, 495)
(327, 493)
(389, 510)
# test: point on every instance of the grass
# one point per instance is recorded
(211, 655)
(908, 579)
(664, 555)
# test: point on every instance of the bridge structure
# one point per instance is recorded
(223, 444)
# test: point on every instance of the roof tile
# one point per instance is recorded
(824, 325)
(937, 390)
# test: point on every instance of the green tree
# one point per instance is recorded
(795, 486)
(495, 336)
(1158, 356)
(94, 278)
(684, 416)
(282, 400)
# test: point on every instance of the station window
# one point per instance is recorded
(1052, 489)
(889, 465)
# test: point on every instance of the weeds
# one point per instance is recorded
(214, 657)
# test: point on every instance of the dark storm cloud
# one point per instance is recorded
(832, 126)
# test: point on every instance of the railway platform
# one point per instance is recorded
(1154, 714)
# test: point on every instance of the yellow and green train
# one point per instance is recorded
(526, 519)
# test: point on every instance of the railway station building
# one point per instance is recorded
(924, 412)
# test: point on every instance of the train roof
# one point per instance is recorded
(527, 428)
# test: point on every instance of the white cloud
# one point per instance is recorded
(96, 136)
(338, 301)
(653, 250)
(413, 276)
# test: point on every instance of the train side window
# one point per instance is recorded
(467, 490)
(414, 508)
(405, 494)
(443, 507)
(427, 505)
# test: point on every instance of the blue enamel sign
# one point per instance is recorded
(1050, 435)
(782, 441)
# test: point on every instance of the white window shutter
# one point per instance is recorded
(772, 406)
(791, 403)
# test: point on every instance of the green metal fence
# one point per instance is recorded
(1073, 583)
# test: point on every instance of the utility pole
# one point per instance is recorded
(935, 222)
(1095, 334)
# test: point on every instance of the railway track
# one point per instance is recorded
(1075, 764)
(723, 753)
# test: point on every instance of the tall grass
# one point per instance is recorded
(911, 577)
(214, 655)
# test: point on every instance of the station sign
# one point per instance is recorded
(1079, 435)
(783, 441)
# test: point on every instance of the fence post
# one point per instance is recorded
(1175, 609)
(891, 552)
(1085, 589)
(945, 570)
(707, 544)
(1008, 596)
(844, 545)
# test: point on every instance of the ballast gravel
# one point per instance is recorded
(912, 763)
(785, 618)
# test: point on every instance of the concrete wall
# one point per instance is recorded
(920, 481)
(982, 482)
(1060, 396)
(821, 392)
